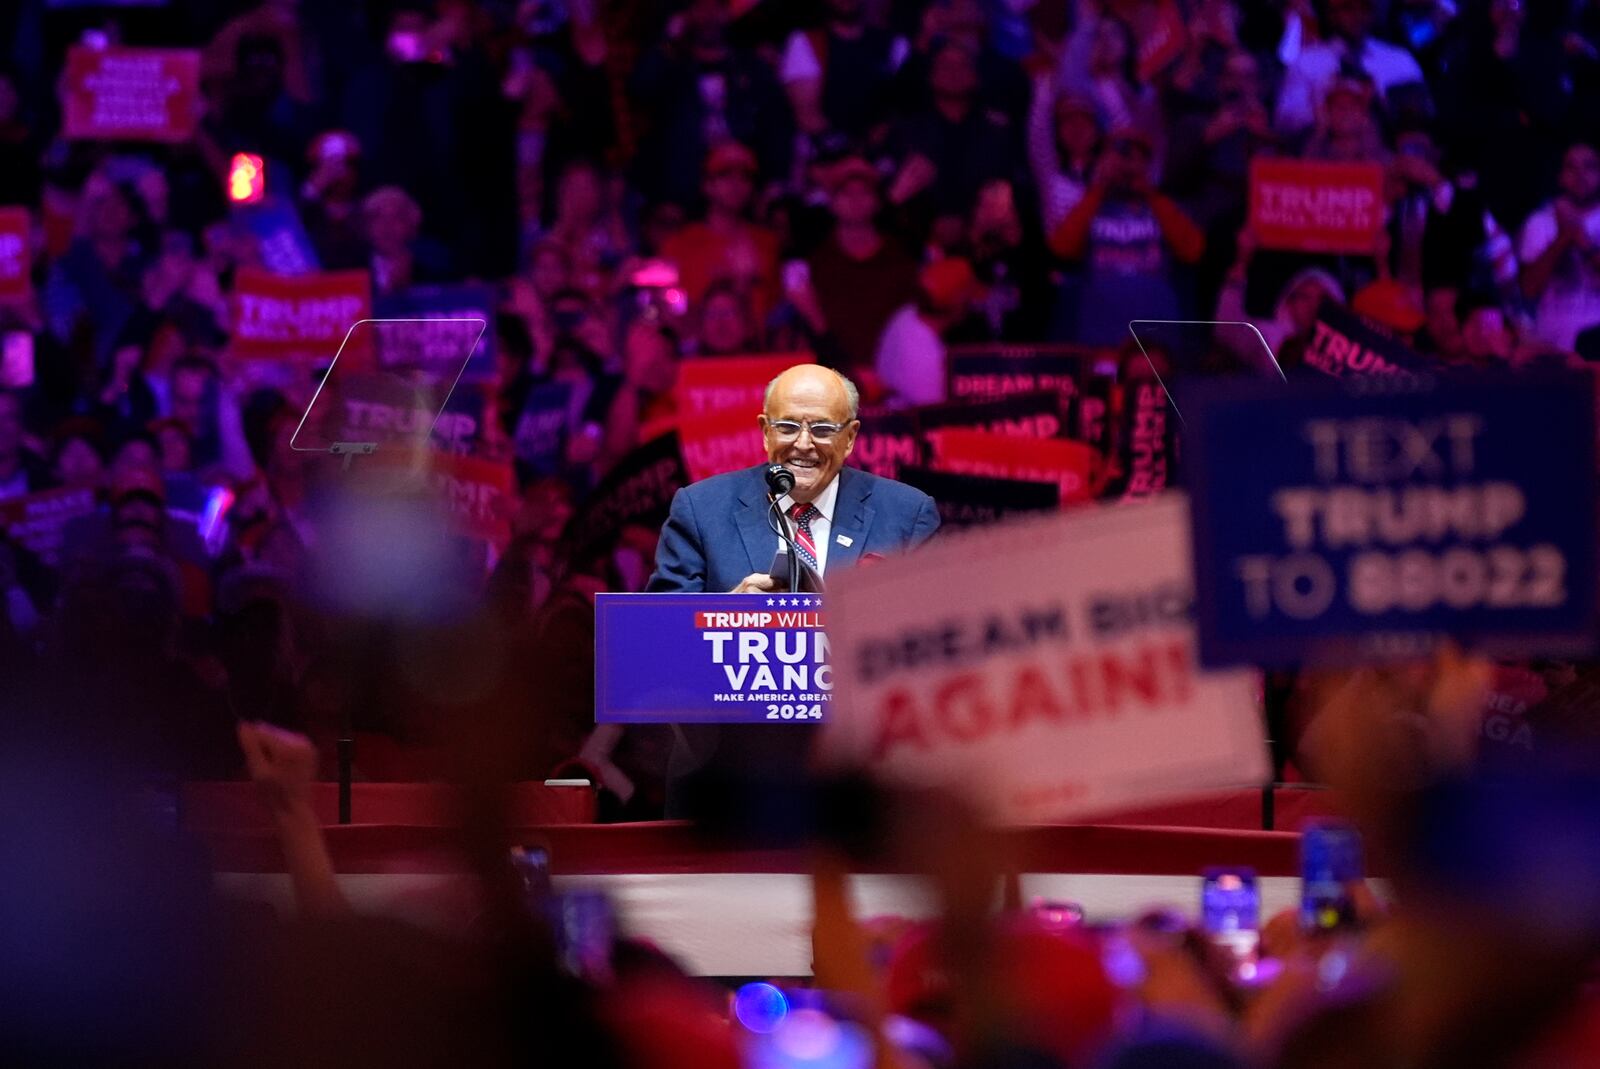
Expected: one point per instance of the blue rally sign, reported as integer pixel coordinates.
(710, 659)
(1372, 518)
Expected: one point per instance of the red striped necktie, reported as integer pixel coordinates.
(802, 514)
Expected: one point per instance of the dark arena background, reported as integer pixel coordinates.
(799, 534)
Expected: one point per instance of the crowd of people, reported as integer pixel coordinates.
(640, 185)
(643, 185)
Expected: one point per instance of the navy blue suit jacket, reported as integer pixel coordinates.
(717, 532)
(715, 536)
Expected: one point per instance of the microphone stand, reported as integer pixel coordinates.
(776, 521)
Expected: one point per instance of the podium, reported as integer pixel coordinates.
(711, 659)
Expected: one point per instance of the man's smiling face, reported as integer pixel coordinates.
(809, 395)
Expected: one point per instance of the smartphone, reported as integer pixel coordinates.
(1330, 860)
(585, 929)
(16, 360)
(532, 866)
(1230, 913)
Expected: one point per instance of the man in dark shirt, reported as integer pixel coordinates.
(859, 274)
(840, 76)
(948, 152)
(696, 92)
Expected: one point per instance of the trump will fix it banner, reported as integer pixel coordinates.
(299, 317)
(1316, 206)
(131, 94)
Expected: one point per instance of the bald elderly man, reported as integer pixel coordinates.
(717, 537)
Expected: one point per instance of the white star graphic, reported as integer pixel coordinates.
(806, 602)
(769, 601)
(783, 601)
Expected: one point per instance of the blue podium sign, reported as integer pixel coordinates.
(1371, 518)
(710, 659)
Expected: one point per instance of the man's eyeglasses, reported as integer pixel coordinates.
(788, 430)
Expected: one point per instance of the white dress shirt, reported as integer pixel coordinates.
(821, 524)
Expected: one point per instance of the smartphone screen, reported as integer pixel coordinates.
(1330, 860)
(585, 929)
(532, 865)
(1230, 911)
(16, 360)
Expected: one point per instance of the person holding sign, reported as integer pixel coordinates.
(717, 537)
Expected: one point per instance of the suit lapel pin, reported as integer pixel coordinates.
(845, 540)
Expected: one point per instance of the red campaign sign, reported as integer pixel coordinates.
(16, 265)
(716, 442)
(1162, 42)
(299, 317)
(37, 521)
(1049, 460)
(715, 383)
(477, 494)
(1314, 206)
(131, 94)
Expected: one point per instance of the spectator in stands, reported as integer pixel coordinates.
(949, 150)
(330, 200)
(199, 400)
(840, 76)
(96, 286)
(429, 116)
(727, 327)
(258, 115)
(643, 404)
(1130, 241)
(1347, 129)
(177, 446)
(1063, 140)
(860, 275)
(181, 295)
(727, 245)
(910, 368)
(1010, 260)
(21, 470)
(549, 271)
(1440, 230)
(1442, 335)
(1294, 312)
(125, 400)
(1488, 336)
(587, 223)
(1505, 96)
(1350, 44)
(78, 457)
(1560, 252)
(1002, 85)
(1099, 60)
(696, 91)
(1207, 168)
(400, 256)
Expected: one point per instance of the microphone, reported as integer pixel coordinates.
(780, 480)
